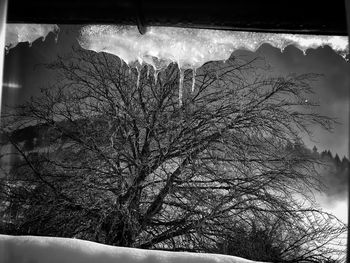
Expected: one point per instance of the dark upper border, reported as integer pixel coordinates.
(298, 16)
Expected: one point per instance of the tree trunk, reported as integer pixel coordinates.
(122, 225)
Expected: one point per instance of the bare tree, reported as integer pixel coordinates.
(128, 165)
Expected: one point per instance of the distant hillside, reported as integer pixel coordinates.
(334, 170)
(42, 135)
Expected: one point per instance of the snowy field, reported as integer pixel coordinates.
(32, 249)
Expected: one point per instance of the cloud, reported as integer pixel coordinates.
(337, 207)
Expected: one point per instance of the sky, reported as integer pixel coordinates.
(331, 90)
(24, 76)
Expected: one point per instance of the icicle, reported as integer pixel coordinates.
(56, 32)
(138, 69)
(138, 78)
(193, 79)
(181, 82)
(147, 71)
(155, 76)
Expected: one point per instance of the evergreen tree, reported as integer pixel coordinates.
(329, 154)
(337, 162)
(345, 164)
(323, 154)
(315, 151)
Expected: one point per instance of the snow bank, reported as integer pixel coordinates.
(190, 48)
(32, 249)
(16, 33)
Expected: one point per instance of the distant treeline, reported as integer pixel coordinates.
(334, 171)
(335, 174)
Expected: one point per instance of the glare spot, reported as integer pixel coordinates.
(11, 85)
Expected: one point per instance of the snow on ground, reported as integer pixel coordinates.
(33, 249)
